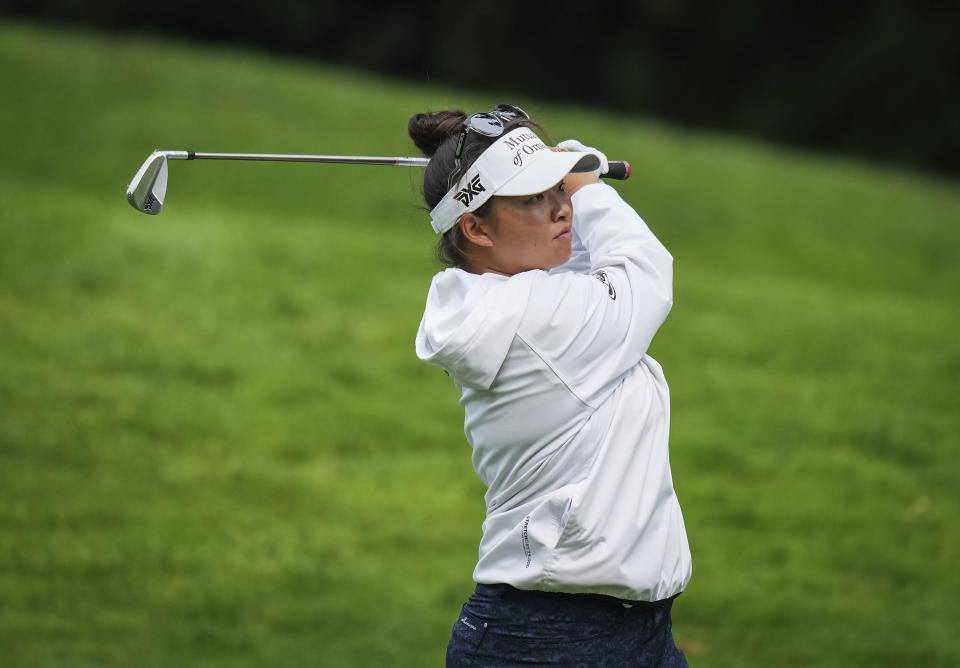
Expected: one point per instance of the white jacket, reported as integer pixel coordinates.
(567, 415)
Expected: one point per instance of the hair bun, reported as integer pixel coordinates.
(428, 131)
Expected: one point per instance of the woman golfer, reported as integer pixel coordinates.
(554, 290)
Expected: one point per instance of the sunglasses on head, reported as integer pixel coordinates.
(488, 124)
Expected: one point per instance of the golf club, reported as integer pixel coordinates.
(148, 187)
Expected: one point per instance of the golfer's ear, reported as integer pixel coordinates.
(474, 230)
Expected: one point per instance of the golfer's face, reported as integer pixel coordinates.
(532, 231)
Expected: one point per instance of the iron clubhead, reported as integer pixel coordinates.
(149, 185)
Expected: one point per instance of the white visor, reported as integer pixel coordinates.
(518, 163)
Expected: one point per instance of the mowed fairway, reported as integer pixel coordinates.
(217, 447)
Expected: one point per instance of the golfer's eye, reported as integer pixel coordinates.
(560, 187)
(535, 198)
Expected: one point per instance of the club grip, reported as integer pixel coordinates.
(618, 169)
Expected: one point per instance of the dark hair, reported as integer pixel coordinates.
(436, 133)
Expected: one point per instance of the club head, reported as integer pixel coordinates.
(149, 185)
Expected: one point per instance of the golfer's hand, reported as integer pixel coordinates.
(574, 145)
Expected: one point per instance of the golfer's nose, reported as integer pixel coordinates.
(562, 210)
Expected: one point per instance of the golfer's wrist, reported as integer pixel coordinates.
(572, 182)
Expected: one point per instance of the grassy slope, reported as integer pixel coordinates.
(217, 447)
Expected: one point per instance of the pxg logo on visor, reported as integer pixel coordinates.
(466, 194)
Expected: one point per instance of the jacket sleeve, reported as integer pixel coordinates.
(592, 328)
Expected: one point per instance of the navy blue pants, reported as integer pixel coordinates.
(503, 626)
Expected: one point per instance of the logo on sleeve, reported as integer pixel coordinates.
(602, 277)
(466, 194)
(525, 538)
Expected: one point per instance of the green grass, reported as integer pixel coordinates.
(217, 447)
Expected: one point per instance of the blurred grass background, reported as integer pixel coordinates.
(218, 448)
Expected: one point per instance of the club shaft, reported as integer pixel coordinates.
(618, 169)
(288, 157)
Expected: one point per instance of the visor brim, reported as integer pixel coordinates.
(546, 170)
